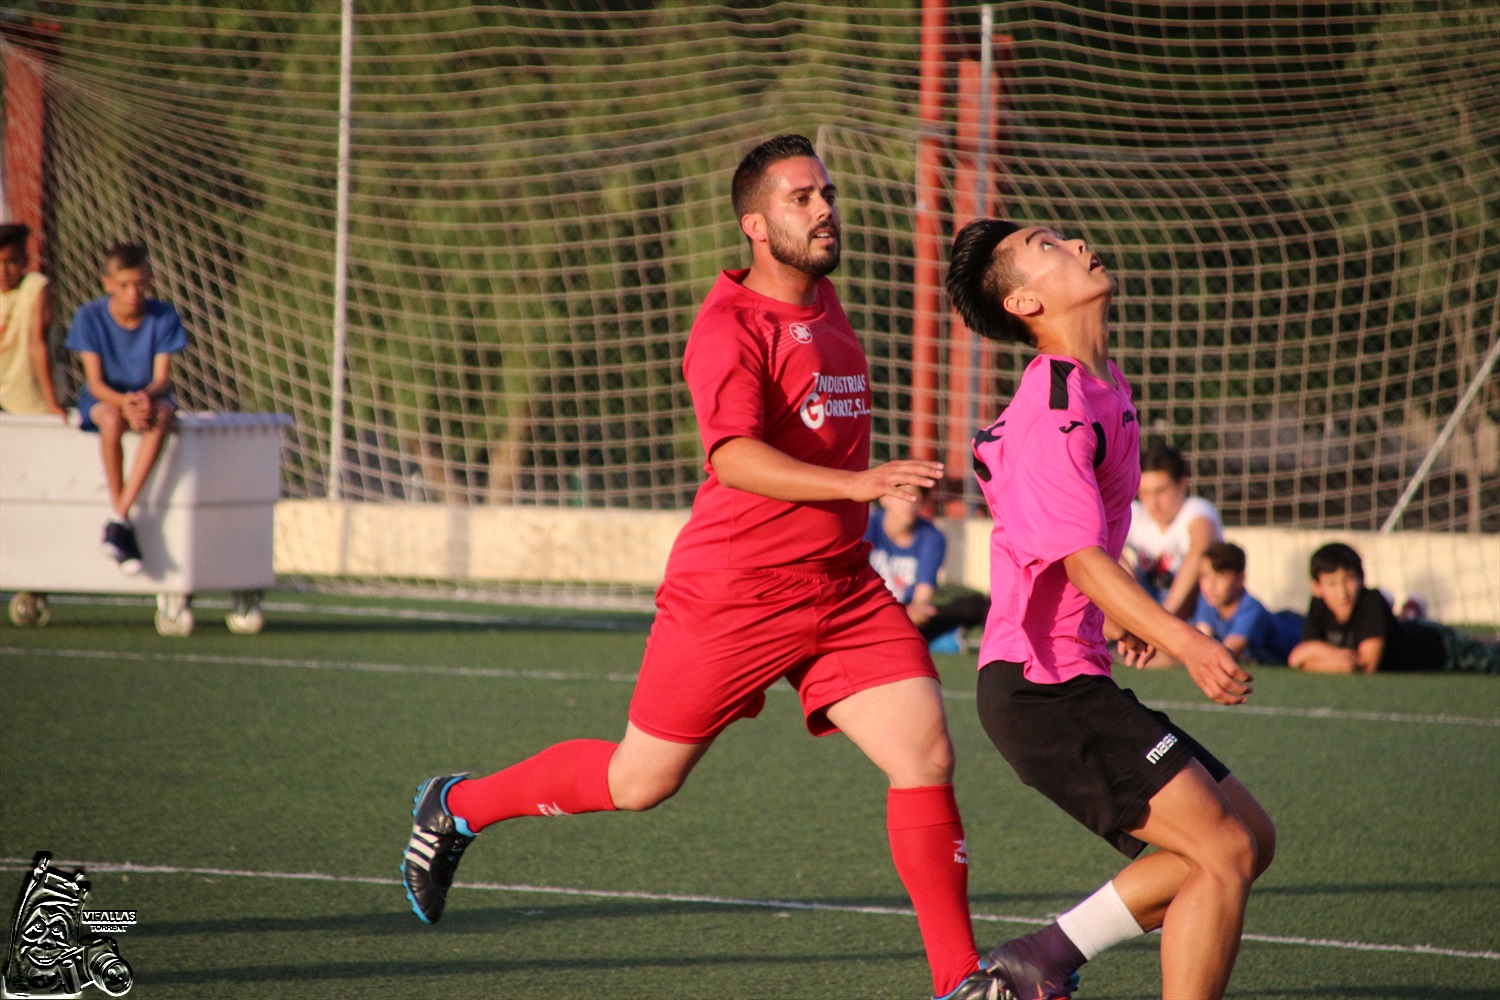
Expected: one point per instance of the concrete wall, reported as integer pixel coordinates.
(1457, 575)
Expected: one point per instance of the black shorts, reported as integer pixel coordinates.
(1088, 745)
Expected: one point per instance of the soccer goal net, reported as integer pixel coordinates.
(462, 246)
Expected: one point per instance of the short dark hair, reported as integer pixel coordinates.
(1336, 556)
(1225, 557)
(14, 234)
(750, 175)
(124, 255)
(1162, 457)
(980, 276)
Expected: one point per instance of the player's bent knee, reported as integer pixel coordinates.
(930, 764)
(108, 419)
(640, 798)
(1237, 852)
(1265, 847)
(639, 792)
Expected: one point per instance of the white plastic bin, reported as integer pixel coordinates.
(204, 521)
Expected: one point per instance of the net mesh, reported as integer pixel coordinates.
(1302, 201)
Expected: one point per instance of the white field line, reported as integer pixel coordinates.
(130, 868)
(620, 624)
(501, 673)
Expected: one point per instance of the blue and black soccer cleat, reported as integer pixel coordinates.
(977, 985)
(438, 839)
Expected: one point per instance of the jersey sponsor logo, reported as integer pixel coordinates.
(1156, 753)
(812, 410)
(835, 397)
(801, 333)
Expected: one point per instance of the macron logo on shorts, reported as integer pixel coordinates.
(1160, 750)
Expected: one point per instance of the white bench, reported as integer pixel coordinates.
(205, 520)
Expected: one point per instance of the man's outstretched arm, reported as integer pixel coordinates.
(751, 465)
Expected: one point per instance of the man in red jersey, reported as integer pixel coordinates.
(768, 579)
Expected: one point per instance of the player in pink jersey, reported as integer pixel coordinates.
(769, 579)
(1058, 470)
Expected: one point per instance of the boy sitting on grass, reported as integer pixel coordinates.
(1351, 629)
(1233, 616)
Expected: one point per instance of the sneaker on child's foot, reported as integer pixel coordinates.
(1413, 609)
(1022, 980)
(977, 985)
(120, 545)
(438, 839)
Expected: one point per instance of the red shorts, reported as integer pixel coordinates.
(722, 637)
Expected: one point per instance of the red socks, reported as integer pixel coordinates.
(564, 779)
(926, 834)
(927, 844)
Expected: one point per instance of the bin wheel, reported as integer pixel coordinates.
(245, 616)
(174, 614)
(28, 609)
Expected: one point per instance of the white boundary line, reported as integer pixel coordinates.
(130, 868)
(501, 673)
(622, 623)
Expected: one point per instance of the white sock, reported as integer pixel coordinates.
(1099, 922)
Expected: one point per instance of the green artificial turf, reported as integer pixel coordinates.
(269, 777)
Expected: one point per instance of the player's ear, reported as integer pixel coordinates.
(1023, 302)
(753, 224)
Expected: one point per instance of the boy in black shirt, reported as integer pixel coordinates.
(1350, 628)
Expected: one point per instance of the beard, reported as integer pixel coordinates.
(798, 252)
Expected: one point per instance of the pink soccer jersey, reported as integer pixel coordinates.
(1058, 470)
(797, 379)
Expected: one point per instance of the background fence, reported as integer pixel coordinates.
(1302, 201)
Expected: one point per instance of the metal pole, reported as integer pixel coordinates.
(926, 298)
(1443, 436)
(982, 209)
(341, 259)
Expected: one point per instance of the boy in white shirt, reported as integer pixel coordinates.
(1170, 531)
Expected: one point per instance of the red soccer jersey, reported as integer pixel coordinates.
(796, 378)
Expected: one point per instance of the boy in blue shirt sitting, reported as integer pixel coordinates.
(907, 550)
(1233, 616)
(125, 342)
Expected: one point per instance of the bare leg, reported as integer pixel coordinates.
(1193, 820)
(111, 424)
(902, 728)
(152, 440)
(646, 771)
(1149, 884)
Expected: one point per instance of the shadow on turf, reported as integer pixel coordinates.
(462, 927)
